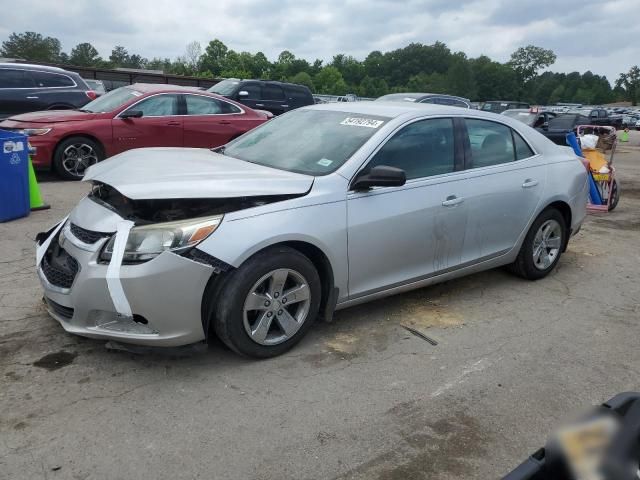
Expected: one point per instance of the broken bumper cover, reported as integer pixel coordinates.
(165, 295)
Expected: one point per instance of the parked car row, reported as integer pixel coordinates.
(140, 115)
(555, 126)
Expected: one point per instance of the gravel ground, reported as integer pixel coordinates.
(358, 398)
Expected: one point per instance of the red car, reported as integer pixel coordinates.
(139, 115)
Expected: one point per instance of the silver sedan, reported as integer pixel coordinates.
(319, 209)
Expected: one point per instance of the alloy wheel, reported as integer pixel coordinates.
(276, 307)
(547, 244)
(77, 157)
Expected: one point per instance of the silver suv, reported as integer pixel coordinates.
(322, 208)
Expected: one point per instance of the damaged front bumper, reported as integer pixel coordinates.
(165, 294)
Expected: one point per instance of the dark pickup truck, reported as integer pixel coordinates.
(600, 117)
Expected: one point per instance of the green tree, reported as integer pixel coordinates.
(630, 83)
(214, 57)
(460, 79)
(261, 66)
(84, 54)
(528, 61)
(427, 83)
(329, 81)
(557, 95)
(351, 69)
(119, 56)
(31, 46)
(303, 78)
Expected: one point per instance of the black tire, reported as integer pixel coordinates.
(615, 196)
(524, 265)
(228, 320)
(59, 155)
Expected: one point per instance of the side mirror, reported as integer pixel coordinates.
(243, 93)
(380, 176)
(131, 114)
(545, 126)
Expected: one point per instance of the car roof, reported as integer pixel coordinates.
(421, 95)
(163, 87)
(30, 66)
(397, 109)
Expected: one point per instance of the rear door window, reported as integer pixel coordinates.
(300, 97)
(51, 80)
(10, 78)
(491, 143)
(523, 150)
(199, 105)
(273, 93)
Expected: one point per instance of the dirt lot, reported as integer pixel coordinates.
(358, 399)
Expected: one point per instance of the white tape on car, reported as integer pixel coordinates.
(114, 284)
(42, 248)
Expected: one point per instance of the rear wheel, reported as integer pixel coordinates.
(74, 155)
(268, 304)
(614, 197)
(542, 247)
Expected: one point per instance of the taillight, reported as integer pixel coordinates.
(91, 94)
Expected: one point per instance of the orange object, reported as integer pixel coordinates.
(596, 159)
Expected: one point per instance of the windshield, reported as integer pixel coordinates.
(525, 117)
(225, 87)
(313, 142)
(112, 100)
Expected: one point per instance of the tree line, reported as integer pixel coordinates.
(416, 68)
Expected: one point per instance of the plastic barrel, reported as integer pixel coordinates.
(14, 176)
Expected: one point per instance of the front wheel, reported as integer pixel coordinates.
(74, 155)
(542, 247)
(268, 304)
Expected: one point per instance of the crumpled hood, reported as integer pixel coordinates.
(157, 173)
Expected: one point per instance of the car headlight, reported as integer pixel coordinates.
(149, 241)
(34, 132)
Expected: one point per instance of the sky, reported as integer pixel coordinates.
(598, 35)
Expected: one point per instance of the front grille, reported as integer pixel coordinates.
(61, 310)
(59, 268)
(87, 236)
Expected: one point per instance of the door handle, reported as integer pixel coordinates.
(33, 98)
(174, 124)
(528, 183)
(285, 106)
(224, 122)
(452, 201)
(259, 104)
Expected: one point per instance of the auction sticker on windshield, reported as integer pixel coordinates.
(362, 122)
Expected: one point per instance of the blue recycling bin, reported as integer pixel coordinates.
(14, 176)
